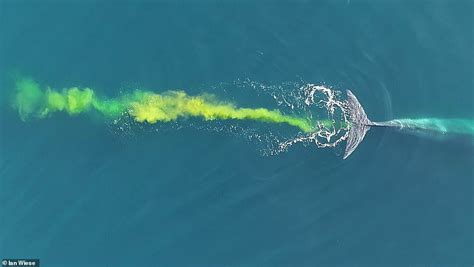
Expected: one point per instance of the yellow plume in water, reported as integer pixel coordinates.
(143, 106)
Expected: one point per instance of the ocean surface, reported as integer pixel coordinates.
(74, 191)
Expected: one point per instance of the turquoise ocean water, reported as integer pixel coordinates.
(74, 191)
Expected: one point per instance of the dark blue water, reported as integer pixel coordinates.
(74, 193)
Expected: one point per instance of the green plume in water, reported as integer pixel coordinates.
(144, 106)
(32, 101)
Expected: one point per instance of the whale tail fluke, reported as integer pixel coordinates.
(360, 124)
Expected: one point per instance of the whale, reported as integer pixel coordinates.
(436, 128)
